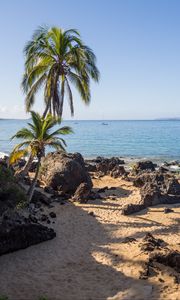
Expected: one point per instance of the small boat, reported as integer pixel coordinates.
(104, 124)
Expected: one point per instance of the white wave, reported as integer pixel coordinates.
(176, 168)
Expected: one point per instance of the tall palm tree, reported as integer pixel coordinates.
(54, 59)
(36, 137)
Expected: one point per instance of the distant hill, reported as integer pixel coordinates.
(168, 119)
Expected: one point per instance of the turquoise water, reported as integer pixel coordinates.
(145, 139)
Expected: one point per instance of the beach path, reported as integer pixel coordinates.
(88, 259)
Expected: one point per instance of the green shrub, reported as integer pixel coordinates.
(6, 175)
(3, 298)
(11, 194)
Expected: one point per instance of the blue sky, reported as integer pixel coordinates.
(137, 44)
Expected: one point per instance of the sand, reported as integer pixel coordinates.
(87, 259)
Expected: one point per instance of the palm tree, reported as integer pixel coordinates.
(36, 137)
(54, 59)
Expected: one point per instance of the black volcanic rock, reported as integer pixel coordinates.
(142, 166)
(82, 193)
(64, 172)
(155, 188)
(17, 232)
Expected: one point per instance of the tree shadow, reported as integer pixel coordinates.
(104, 202)
(119, 192)
(69, 266)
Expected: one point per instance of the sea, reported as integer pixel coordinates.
(158, 140)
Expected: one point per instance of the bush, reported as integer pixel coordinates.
(6, 175)
(3, 298)
(11, 194)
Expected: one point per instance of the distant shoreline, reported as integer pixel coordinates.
(128, 159)
(100, 120)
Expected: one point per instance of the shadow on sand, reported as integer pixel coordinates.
(67, 267)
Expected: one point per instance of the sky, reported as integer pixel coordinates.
(137, 44)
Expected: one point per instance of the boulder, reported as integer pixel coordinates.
(52, 214)
(114, 160)
(156, 188)
(90, 167)
(142, 166)
(82, 193)
(150, 195)
(168, 210)
(150, 243)
(106, 165)
(163, 169)
(40, 197)
(94, 196)
(168, 258)
(18, 232)
(159, 254)
(157, 178)
(129, 209)
(64, 172)
(117, 171)
(44, 218)
(138, 181)
(49, 190)
(172, 186)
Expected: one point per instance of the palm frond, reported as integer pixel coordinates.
(23, 133)
(29, 101)
(70, 97)
(37, 123)
(53, 56)
(61, 131)
(56, 145)
(16, 155)
(81, 85)
(37, 136)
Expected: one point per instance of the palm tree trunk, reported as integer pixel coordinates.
(33, 185)
(45, 112)
(25, 169)
(46, 109)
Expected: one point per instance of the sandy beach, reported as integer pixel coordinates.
(89, 259)
(90, 150)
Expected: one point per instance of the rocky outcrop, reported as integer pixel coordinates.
(158, 256)
(165, 182)
(17, 232)
(168, 258)
(150, 243)
(107, 165)
(156, 188)
(90, 166)
(129, 209)
(158, 178)
(40, 198)
(142, 166)
(172, 186)
(64, 172)
(82, 193)
(118, 171)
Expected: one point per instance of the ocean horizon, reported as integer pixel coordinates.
(139, 139)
